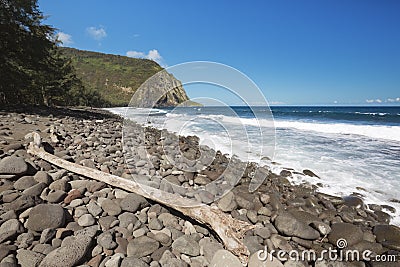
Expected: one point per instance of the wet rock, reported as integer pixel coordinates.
(310, 173)
(353, 201)
(388, 236)
(351, 233)
(46, 216)
(288, 225)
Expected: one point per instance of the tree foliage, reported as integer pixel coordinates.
(32, 68)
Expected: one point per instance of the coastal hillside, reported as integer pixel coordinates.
(116, 78)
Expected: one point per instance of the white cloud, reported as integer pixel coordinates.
(135, 54)
(97, 33)
(276, 103)
(392, 100)
(65, 38)
(374, 100)
(152, 55)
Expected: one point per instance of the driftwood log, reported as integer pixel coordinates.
(229, 230)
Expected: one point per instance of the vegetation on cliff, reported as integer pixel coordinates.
(116, 78)
(35, 70)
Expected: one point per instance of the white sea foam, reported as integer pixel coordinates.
(348, 158)
(372, 131)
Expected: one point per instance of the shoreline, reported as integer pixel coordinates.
(288, 216)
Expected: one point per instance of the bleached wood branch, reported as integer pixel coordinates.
(230, 230)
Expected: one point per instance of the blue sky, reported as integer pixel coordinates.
(305, 52)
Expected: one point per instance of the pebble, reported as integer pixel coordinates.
(86, 220)
(225, 258)
(186, 244)
(46, 216)
(13, 165)
(141, 246)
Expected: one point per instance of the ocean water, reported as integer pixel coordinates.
(351, 149)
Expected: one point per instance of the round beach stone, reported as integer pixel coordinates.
(86, 220)
(388, 236)
(350, 232)
(155, 224)
(24, 182)
(35, 190)
(187, 245)
(225, 258)
(111, 207)
(46, 216)
(127, 218)
(131, 261)
(56, 196)
(208, 246)
(69, 254)
(288, 225)
(227, 203)
(13, 165)
(142, 246)
(29, 258)
(106, 241)
(94, 209)
(270, 261)
(43, 177)
(132, 202)
(11, 226)
(353, 201)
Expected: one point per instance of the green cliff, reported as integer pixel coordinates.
(116, 78)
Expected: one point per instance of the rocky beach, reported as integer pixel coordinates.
(52, 217)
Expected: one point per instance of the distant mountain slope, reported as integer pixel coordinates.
(116, 78)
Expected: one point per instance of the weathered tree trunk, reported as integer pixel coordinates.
(230, 230)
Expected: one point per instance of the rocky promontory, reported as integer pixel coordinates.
(52, 217)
